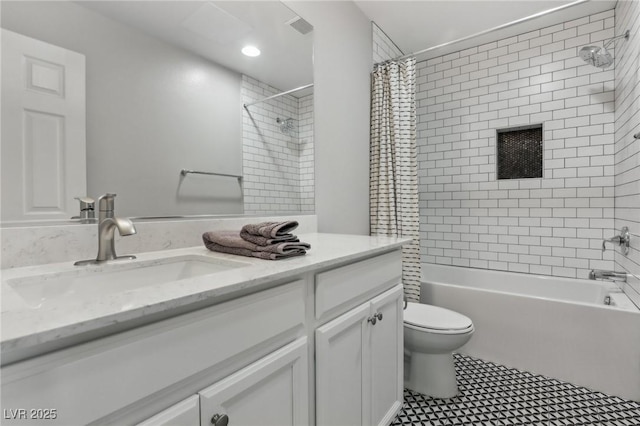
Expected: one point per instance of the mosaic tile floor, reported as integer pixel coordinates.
(493, 395)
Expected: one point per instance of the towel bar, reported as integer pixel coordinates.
(185, 172)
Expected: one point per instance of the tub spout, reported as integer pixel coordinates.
(599, 274)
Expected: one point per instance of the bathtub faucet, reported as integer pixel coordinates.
(599, 274)
(621, 240)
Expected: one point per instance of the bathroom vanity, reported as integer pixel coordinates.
(192, 337)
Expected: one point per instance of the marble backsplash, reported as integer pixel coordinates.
(36, 245)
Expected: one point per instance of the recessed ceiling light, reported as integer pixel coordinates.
(251, 51)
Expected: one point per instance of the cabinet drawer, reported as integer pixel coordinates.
(342, 288)
(90, 381)
(271, 392)
(185, 413)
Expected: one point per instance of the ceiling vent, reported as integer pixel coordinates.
(300, 25)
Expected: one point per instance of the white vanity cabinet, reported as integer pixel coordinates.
(117, 379)
(270, 392)
(359, 354)
(318, 345)
(359, 358)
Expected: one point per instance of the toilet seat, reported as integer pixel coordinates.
(436, 319)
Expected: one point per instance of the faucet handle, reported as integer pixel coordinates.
(615, 240)
(106, 206)
(86, 202)
(623, 240)
(87, 207)
(106, 202)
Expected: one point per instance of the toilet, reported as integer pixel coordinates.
(431, 334)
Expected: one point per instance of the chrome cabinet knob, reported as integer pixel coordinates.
(375, 318)
(220, 420)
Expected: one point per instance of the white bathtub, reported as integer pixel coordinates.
(557, 327)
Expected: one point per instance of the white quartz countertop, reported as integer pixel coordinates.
(25, 324)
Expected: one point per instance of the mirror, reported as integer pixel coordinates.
(166, 89)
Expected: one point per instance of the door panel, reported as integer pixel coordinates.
(342, 369)
(387, 340)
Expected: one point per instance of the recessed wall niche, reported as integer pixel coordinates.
(520, 152)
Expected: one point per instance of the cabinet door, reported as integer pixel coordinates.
(271, 392)
(342, 367)
(387, 356)
(185, 413)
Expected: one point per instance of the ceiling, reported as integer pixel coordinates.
(417, 25)
(217, 30)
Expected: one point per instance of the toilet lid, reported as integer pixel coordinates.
(435, 318)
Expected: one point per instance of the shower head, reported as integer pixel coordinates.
(596, 56)
(286, 125)
(600, 56)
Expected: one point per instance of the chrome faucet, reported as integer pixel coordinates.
(87, 207)
(622, 240)
(107, 224)
(599, 274)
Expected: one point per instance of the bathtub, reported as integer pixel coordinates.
(557, 327)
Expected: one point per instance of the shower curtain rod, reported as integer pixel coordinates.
(278, 95)
(490, 30)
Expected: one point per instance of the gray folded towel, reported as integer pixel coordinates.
(232, 243)
(270, 229)
(264, 241)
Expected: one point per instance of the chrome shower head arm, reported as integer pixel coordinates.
(625, 35)
(599, 56)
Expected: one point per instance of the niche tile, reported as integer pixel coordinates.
(520, 152)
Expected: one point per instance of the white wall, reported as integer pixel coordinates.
(152, 110)
(307, 172)
(627, 149)
(342, 64)
(554, 225)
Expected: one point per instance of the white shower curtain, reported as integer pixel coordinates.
(393, 187)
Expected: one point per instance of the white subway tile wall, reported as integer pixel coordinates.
(550, 226)
(383, 47)
(277, 165)
(627, 149)
(307, 183)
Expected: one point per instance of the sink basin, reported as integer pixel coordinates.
(96, 281)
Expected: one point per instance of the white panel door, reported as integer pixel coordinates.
(184, 413)
(387, 356)
(342, 370)
(43, 129)
(271, 392)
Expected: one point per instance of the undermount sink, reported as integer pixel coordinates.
(95, 281)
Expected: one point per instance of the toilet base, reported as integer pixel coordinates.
(432, 374)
